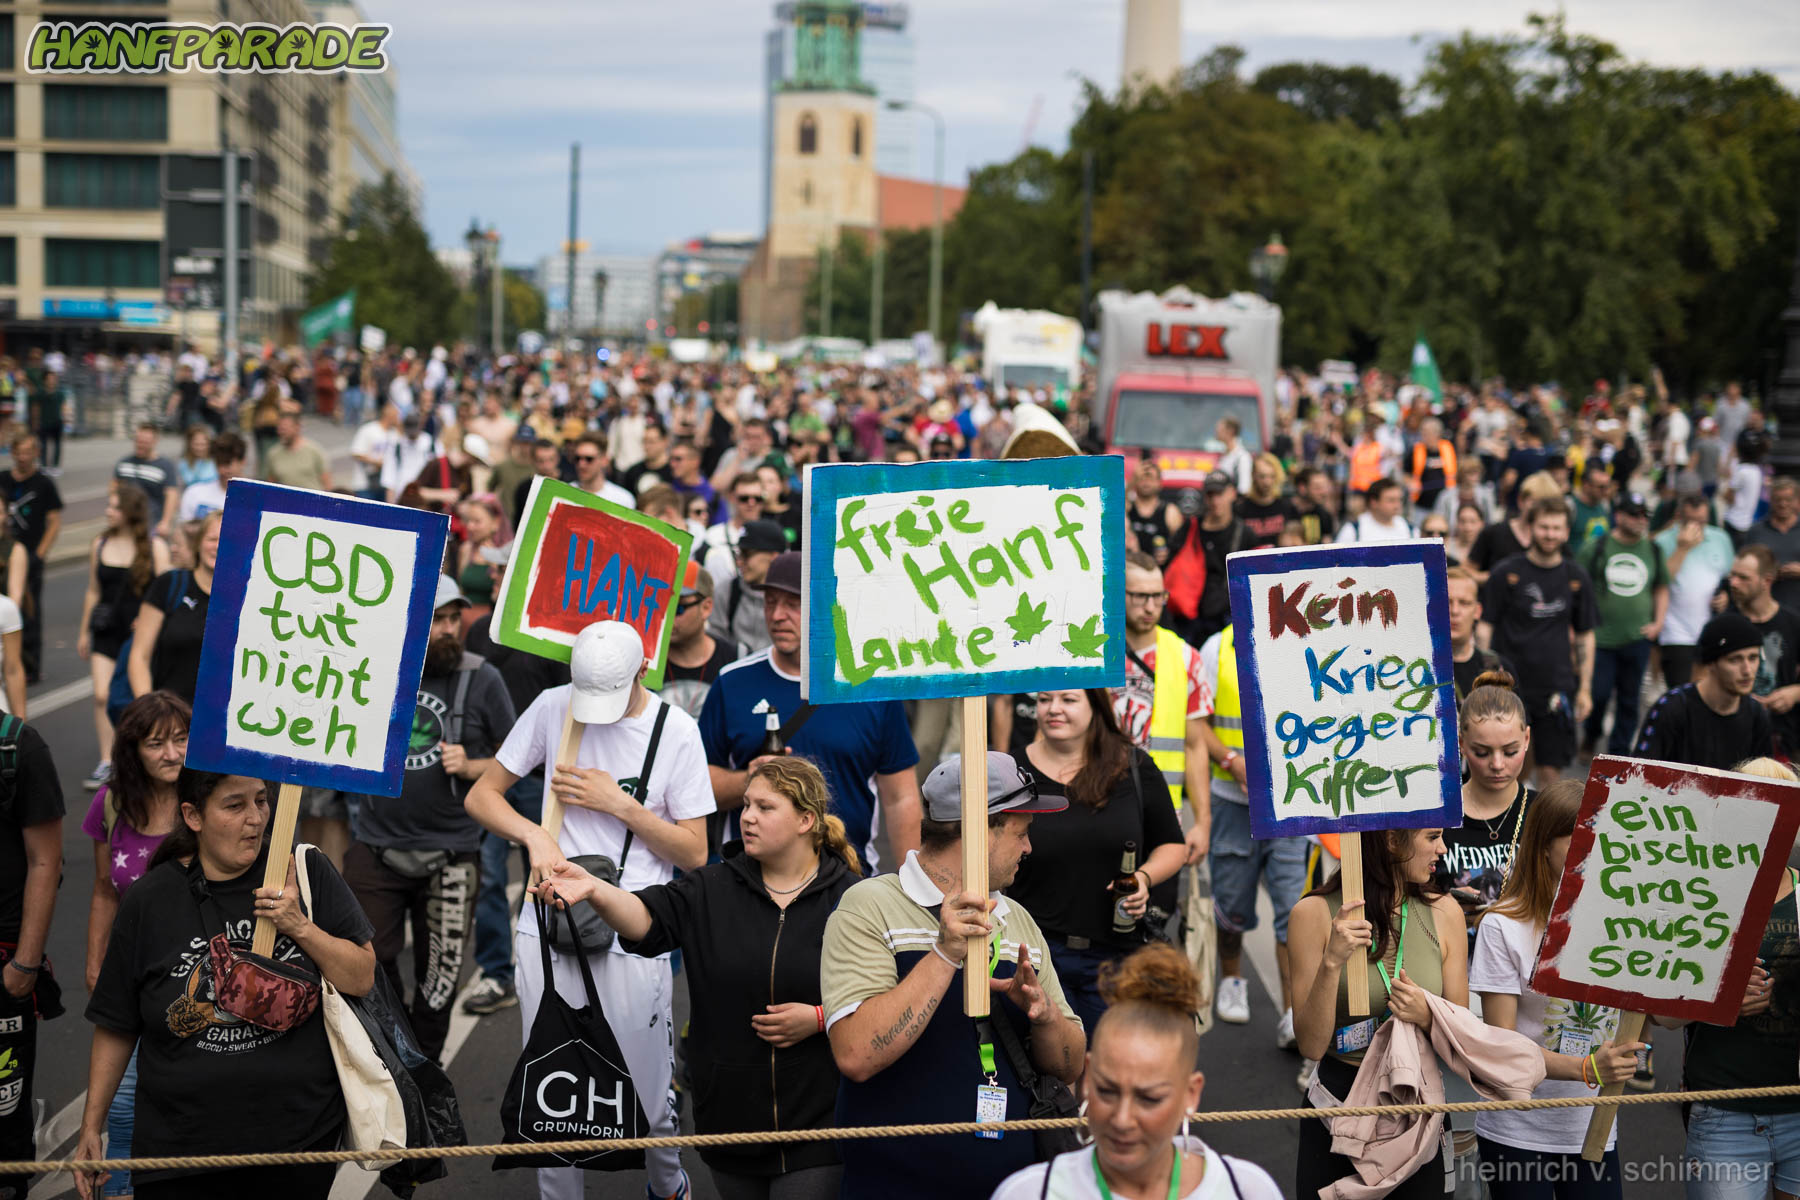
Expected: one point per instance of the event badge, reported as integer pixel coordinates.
(1354, 1038)
(990, 1105)
(1577, 1043)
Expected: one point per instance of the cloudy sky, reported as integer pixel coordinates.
(665, 96)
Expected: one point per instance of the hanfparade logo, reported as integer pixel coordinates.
(118, 47)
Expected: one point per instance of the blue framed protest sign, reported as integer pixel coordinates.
(967, 577)
(1347, 687)
(315, 638)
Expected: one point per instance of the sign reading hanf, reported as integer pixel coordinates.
(315, 637)
(1671, 875)
(580, 559)
(963, 578)
(1347, 687)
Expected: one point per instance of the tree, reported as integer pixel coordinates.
(1367, 99)
(522, 308)
(381, 250)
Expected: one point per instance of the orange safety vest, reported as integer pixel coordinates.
(1365, 465)
(1446, 457)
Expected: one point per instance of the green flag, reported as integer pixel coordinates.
(1425, 371)
(333, 317)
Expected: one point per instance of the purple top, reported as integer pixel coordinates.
(131, 850)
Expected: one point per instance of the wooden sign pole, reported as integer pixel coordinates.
(565, 757)
(1356, 968)
(975, 844)
(1600, 1122)
(281, 842)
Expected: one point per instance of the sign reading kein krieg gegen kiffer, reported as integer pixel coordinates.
(1344, 669)
(963, 578)
(315, 637)
(1669, 881)
(580, 559)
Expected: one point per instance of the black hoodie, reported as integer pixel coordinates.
(743, 953)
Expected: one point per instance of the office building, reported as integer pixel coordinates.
(615, 294)
(699, 265)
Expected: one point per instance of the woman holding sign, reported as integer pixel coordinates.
(1736, 1148)
(1524, 1153)
(1414, 937)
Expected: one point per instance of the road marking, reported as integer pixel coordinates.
(45, 703)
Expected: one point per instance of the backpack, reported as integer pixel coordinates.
(453, 722)
(10, 726)
(118, 692)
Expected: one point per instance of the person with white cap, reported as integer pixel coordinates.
(890, 969)
(637, 793)
(413, 858)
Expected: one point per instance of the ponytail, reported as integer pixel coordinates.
(829, 838)
(1492, 698)
(802, 784)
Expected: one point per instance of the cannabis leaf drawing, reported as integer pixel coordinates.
(1028, 620)
(92, 42)
(1085, 639)
(225, 40)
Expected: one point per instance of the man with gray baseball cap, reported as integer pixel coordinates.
(893, 1010)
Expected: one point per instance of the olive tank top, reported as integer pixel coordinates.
(1424, 966)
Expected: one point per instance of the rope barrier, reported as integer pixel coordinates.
(705, 1140)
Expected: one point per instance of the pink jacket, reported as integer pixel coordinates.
(1401, 1067)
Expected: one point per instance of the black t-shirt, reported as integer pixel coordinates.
(1479, 853)
(1758, 1050)
(1682, 728)
(1075, 854)
(1263, 522)
(1024, 726)
(686, 687)
(30, 502)
(36, 799)
(1152, 532)
(1533, 609)
(632, 478)
(1216, 544)
(175, 659)
(210, 1083)
(1318, 525)
(1468, 672)
(526, 675)
(152, 476)
(428, 813)
(1492, 544)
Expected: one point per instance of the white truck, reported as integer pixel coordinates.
(1032, 349)
(1171, 366)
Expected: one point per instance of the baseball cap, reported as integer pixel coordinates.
(496, 556)
(698, 581)
(448, 593)
(1725, 633)
(1218, 481)
(602, 667)
(766, 536)
(476, 447)
(784, 573)
(1633, 503)
(1009, 788)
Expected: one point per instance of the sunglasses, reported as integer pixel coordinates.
(688, 602)
(1027, 784)
(748, 499)
(587, 458)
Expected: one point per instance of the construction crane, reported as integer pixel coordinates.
(1031, 120)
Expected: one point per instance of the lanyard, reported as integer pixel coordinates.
(1399, 954)
(987, 1043)
(1174, 1177)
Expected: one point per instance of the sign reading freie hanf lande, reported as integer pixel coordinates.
(1670, 877)
(1345, 674)
(315, 637)
(963, 578)
(580, 559)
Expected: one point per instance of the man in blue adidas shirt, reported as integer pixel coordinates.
(851, 743)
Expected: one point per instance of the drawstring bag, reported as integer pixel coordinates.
(268, 993)
(571, 1083)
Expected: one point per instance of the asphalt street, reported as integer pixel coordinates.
(1244, 1068)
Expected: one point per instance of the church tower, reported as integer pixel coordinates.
(823, 174)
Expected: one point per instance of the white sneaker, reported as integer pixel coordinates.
(1284, 1032)
(1308, 1068)
(1233, 1002)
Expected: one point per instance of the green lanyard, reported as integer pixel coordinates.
(1174, 1177)
(1399, 955)
(987, 1043)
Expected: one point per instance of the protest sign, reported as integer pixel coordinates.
(1671, 874)
(315, 637)
(1343, 663)
(580, 559)
(963, 578)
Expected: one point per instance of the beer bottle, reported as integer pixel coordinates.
(771, 743)
(1123, 885)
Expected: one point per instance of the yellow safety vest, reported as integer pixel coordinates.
(1228, 712)
(1168, 713)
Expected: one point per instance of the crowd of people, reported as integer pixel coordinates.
(1622, 566)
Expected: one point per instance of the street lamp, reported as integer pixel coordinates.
(497, 288)
(1266, 265)
(476, 240)
(935, 304)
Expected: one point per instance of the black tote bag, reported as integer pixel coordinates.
(571, 1082)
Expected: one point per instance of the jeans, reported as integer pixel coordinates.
(353, 407)
(119, 1119)
(1514, 1174)
(808, 1183)
(493, 915)
(1736, 1156)
(1618, 676)
(1238, 860)
(1079, 973)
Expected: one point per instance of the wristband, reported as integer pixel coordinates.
(1595, 1059)
(1584, 1078)
(939, 951)
(819, 1011)
(1146, 875)
(20, 967)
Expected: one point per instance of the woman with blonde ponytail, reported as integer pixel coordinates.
(751, 927)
